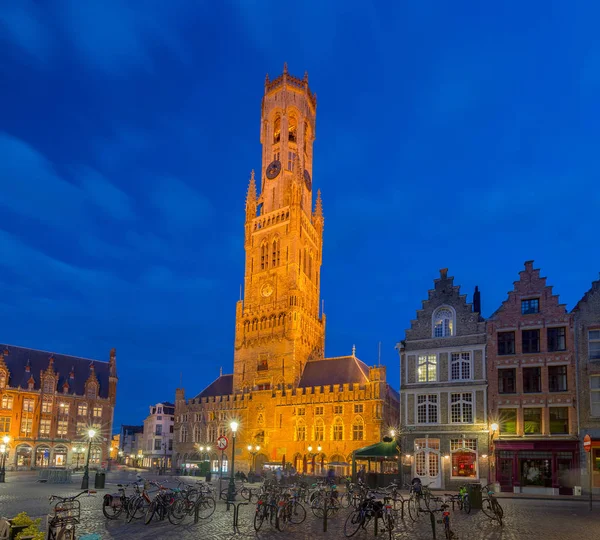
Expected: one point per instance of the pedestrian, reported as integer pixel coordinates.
(278, 475)
(361, 476)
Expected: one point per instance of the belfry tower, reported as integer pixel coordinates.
(279, 326)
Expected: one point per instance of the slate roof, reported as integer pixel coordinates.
(222, 386)
(339, 370)
(18, 358)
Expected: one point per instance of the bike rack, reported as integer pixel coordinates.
(236, 513)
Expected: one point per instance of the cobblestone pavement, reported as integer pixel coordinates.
(523, 519)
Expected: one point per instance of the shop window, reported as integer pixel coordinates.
(595, 394)
(507, 381)
(530, 306)
(532, 421)
(96, 455)
(557, 378)
(508, 421)
(594, 344)
(427, 368)
(506, 343)
(42, 456)
(460, 369)
(559, 420)
(557, 339)
(464, 458)
(536, 469)
(532, 380)
(530, 341)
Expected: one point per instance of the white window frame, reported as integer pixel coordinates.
(464, 448)
(461, 361)
(446, 332)
(461, 403)
(429, 360)
(593, 393)
(593, 341)
(427, 403)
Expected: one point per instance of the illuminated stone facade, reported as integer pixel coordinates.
(286, 396)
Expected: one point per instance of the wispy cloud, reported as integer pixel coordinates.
(102, 193)
(22, 22)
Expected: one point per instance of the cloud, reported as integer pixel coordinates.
(180, 205)
(22, 23)
(102, 193)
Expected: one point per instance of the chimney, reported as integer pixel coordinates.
(444, 273)
(477, 300)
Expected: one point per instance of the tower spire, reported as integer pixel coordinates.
(318, 218)
(251, 198)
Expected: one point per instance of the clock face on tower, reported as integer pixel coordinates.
(307, 180)
(267, 290)
(273, 169)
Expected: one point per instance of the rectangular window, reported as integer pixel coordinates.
(170, 444)
(63, 409)
(358, 409)
(461, 408)
(530, 306)
(508, 421)
(4, 424)
(82, 409)
(319, 432)
(62, 427)
(427, 368)
(358, 431)
(7, 402)
(28, 405)
(159, 417)
(594, 344)
(506, 343)
(156, 444)
(338, 432)
(301, 433)
(427, 409)
(595, 395)
(46, 406)
(81, 428)
(319, 410)
(97, 412)
(507, 381)
(301, 411)
(45, 426)
(461, 366)
(291, 159)
(557, 339)
(26, 427)
(557, 378)
(158, 429)
(532, 379)
(559, 420)
(530, 341)
(159, 410)
(532, 421)
(338, 409)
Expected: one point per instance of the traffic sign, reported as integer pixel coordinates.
(222, 442)
(587, 443)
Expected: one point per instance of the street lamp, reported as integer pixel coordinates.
(78, 451)
(231, 492)
(86, 472)
(4, 452)
(253, 450)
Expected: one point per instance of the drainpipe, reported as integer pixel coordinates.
(575, 334)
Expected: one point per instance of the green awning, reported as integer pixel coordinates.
(379, 450)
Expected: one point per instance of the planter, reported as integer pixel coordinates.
(15, 529)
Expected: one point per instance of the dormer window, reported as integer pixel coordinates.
(443, 322)
(92, 391)
(48, 385)
(2, 378)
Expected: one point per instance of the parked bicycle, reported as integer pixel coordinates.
(490, 505)
(66, 515)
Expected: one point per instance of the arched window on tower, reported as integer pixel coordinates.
(277, 130)
(306, 135)
(276, 253)
(292, 129)
(264, 256)
(443, 322)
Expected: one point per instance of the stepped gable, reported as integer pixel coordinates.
(445, 293)
(26, 364)
(338, 370)
(530, 284)
(592, 293)
(222, 386)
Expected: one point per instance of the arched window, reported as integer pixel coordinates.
(49, 384)
(319, 430)
(292, 129)
(183, 434)
(443, 322)
(264, 256)
(277, 130)
(300, 430)
(338, 430)
(212, 433)
(197, 437)
(358, 429)
(306, 136)
(92, 391)
(275, 253)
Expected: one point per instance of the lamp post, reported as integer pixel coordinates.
(78, 451)
(311, 456)
(120, 459)
(253, 450)
(231, 491)
(86, 472)
(165, 457)
(4, 451)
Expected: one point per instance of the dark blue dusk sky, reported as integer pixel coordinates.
(459, 135)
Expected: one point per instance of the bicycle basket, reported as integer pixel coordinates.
(67, 510)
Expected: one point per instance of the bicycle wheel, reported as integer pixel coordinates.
(224, 494)
(245, 493)
(346, 500)
(67, 532)
(206, 507)
(150, 511)
(413, 509)
(259, 518)
(297, 513)
(137, 510)
(427, 498)
(497, 511)
(177, 511)
(389, 524)
(112, 512)
(466, 504)
(282, 518)
(353, 523)
(487, 508)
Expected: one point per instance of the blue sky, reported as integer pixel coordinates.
(460, 135)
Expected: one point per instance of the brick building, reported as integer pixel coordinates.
(443, 389)
(587, 349)
(298, 406)
(532, 392)
(49, 401)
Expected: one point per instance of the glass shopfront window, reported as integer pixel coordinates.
(42, 456)
(23, 454)
(536, 469)
(60, 456)
(596, 465)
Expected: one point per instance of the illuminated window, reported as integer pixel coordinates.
(319, 430)
(338, 430)
(4, 424)
(277, 130)
(7, 402)
(45, 426)
(28, 405)
(443, 323)
(358, 430)
(62, 427)
(26, 427)
(464, 458)
(47, 405)
(427, 368)
(82, 409)
(97, 412)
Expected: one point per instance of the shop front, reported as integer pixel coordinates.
(543, 466)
